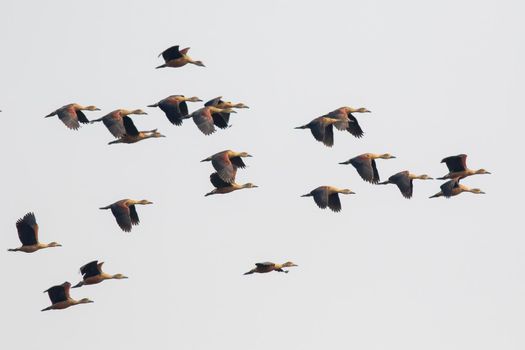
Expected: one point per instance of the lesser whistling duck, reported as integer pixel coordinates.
(71, 114)
(365, 165)
(328, 196)
(114, 120)
(453, 188)
(404, 180)
(226, 163)
(175, 58)
(125, 212)
(222, 187)
(61, 299)
(457, 167)
(132, 134)
(221, 119)
(322, 129)
(175, 107)
(267, 266)
(203, 118)
(346, 121)
(92, 274)
(28, 234)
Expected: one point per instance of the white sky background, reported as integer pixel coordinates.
(385, 273)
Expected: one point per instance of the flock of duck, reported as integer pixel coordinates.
(216, 113)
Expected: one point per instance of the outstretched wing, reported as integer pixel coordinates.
(225, 169)
(365, 168)
(115, 125)
(213, 102)
(318, 130)
(90, 269)
(320, 197)
(403, 182)
(59, 293)
(133, 215)
(217, 182)
(456, 163)
(334, 203)
(353, 127)
(82, 117)
(174, 111)
(121, 213)
(130, 127)
(221, 119)
(448, 187)
(204, 121)
(68, 117)
(27, 229)
(171, 54)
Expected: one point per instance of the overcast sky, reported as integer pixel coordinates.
(440, 79)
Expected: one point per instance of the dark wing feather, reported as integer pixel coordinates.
(173, 111)
(364, 168)
(121, 213)
(217, 181)
(343, 122)
(353, 127)
(238, 162)
(320, 197)
(82, 117)
(183, 107)
(376, 173)
(403, 182)
(213, 102)
(221, 119)
(204, 121)
(448, 187)
(90, 269)
(265, 264)
(456, 163)
(69, 118)
(334, 203)
(224, 167)
(133, 215)
(329, 135)
(131, 129)
(27, 229)
(115, 125)
(57, 294)
(317, 129)
(171, 54)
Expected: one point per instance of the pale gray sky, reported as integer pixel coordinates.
(386, 273)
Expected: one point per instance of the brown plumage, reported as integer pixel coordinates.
(125, 212)
(322, 129)
(267, 266)
(114, 121)
(28, 234)
(404, 181)
(203, 118)
(221, 119)
(60, 298)
(173, 57)
(71, 115)
(222, 187)
(457, 167)
(346, 120)
(226, 164)
(328, 196)
(92, 274)
(175, 107)
(365, 165)
(453, 188)
(132, 135)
